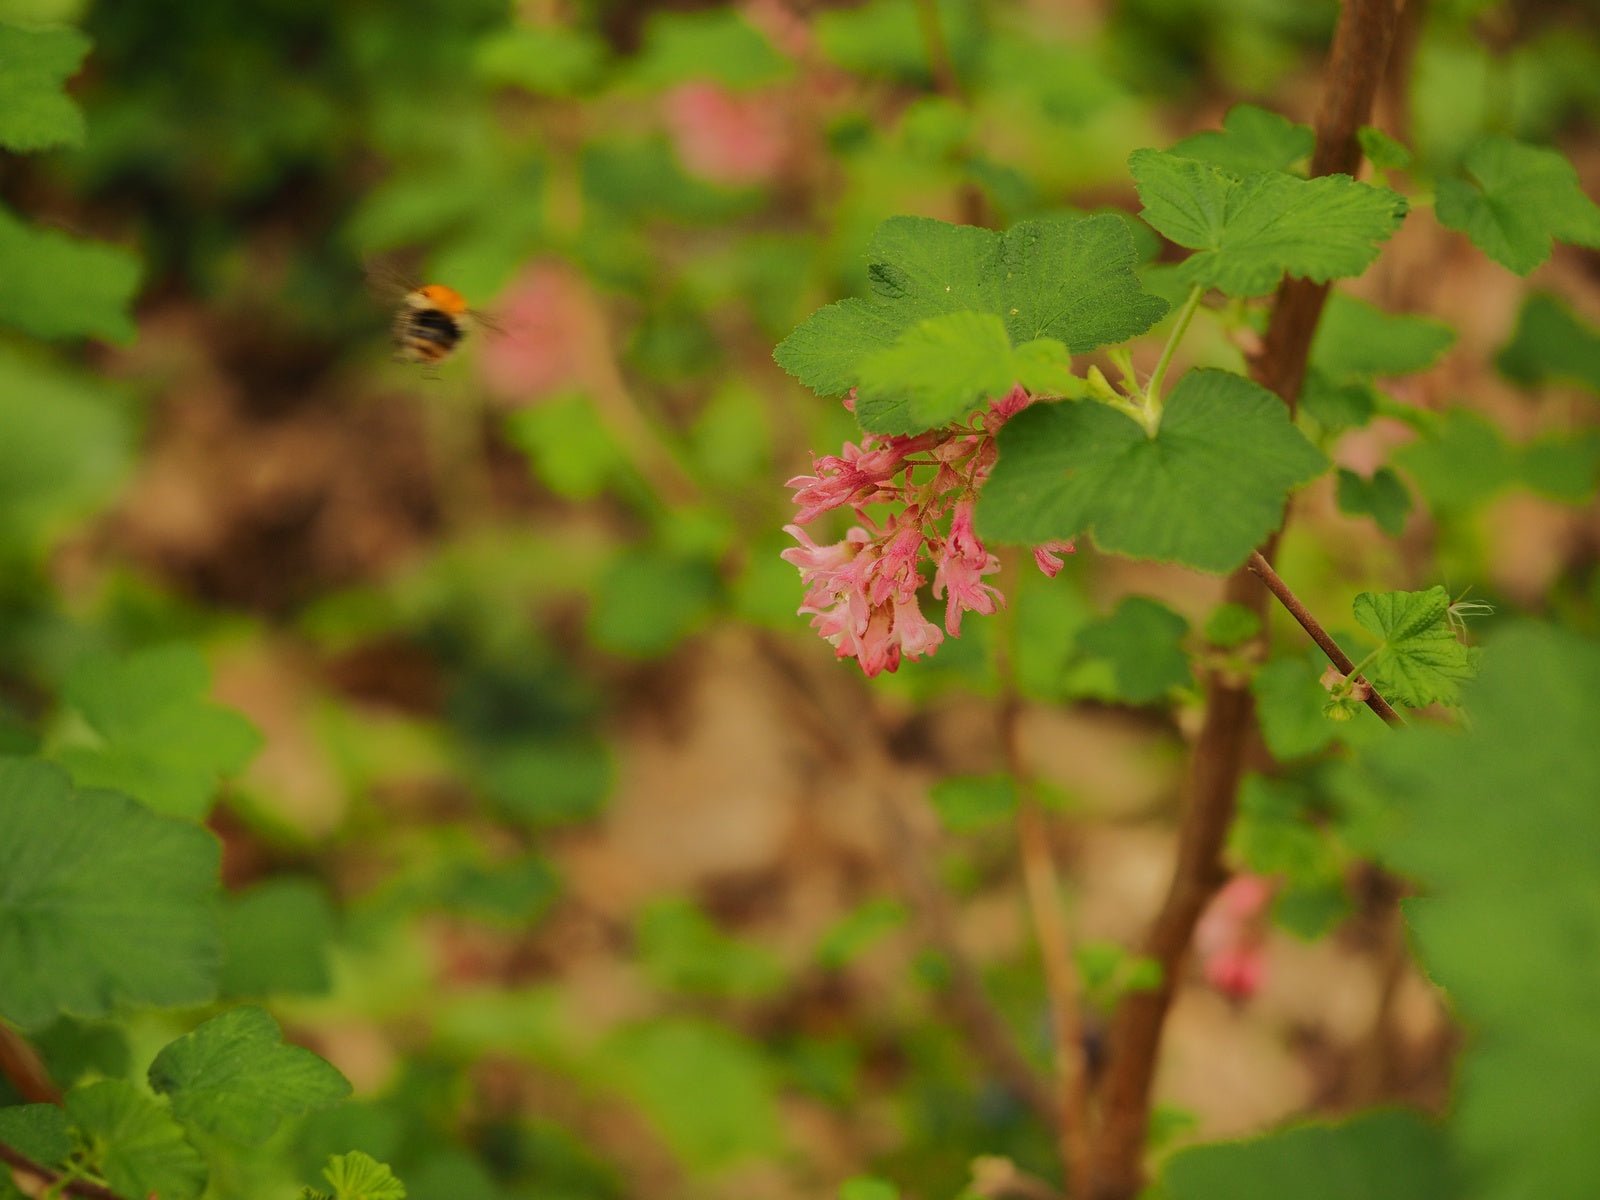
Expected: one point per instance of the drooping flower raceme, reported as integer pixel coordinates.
(861, 592)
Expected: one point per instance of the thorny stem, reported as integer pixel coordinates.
(1275, 584)
(1355, 67)
(1152, 391)
(1043, 889)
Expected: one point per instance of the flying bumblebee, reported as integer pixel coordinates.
(431, 321)
(430, 325)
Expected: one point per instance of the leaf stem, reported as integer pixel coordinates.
(1152, 391)
(1262, 569)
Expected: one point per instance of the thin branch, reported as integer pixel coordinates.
(1355, 66)
(87, 1189)
(938, 47)
(1043, 889)
(1055, 951)
(20, 1065)
(1275, 584)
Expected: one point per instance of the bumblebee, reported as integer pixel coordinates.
(430, 325)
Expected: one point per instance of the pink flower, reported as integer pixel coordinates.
(1230, 937)
(960, 572)
(542, 331)
(1048, 557)
(724, 137)
(861, 592)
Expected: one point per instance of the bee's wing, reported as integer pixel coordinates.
(484, 319)
(386, 281)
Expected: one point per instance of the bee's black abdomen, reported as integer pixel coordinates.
(440, 328)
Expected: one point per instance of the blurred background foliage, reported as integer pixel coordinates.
(545, 818)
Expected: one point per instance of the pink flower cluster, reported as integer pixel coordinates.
(1231, 936)
(861, 592)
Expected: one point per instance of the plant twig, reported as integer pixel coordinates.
(938, 47)
(21, 1067)
(1259, 566)
(1043, 889)
(85, 1188)
(1355, 66)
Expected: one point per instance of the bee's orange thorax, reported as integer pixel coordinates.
(447, 299)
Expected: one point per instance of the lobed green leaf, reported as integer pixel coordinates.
(1204, 491)
(159, 738)
(1518, 200)
(1421, 661)
(1499, 825)
(235, 1077)
(87, 875)
(1251, 139)
(1382, 1155)
(1249, 231)
(1382, 497)
(35, 113)
(1065, 281)
(62, 287)
(1143, 641)
(134, 1144)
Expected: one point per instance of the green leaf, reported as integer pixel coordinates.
(1498, 825)
(1563, 466)
(1551, 343)
(1420, 661)
(1143, 640)
(1383, 498)
(549, 781)
(709, 1091)
(275, 939)
(88, 875)
(683, 951)
(235, 1077)
(1289, 703)
(134, 1143)
(716, 44)
(937, 371)
(648, 601)
(1356, 340)
(357, 1176)
(1277, 833)
(514, 894)
(1069, 281)
(1249, 232)
(1461, 462)
(1205, 491)
(59, 286)
(1382, 1155)
(1383, 151)
(35, 113)
(160, 739)
(885, 38)
(866, 1187)
(67, 445)
(547, 60)
(858, 929)
(1519, 200)
(38, 1131)
(1231, 625)
(1251, 139)
(966, 803)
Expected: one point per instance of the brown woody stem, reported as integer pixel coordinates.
(1259, 566)
(1355, 66)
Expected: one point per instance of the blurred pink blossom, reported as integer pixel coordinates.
(1231, 937)
(726, 137)
(861, 592)
(541, 329)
